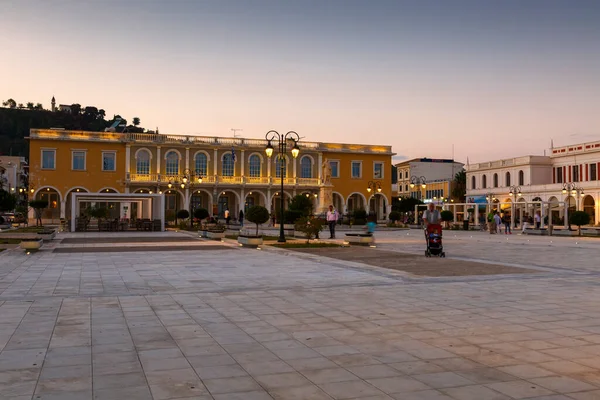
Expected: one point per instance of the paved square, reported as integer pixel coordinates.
(230, 323)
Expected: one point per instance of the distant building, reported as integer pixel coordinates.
(65, 108)
(437, 174)
(53, 103)
(13, 173)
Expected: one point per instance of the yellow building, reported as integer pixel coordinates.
(198, 171)
(427, 179)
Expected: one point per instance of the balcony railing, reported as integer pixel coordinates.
(225, 180)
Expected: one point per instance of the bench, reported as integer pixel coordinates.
(364, 239)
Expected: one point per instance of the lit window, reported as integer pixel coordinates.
(201, 164)
(279, 164)
(172, 165)
(109, 161)
(143, 163)
(78, 160)
(228, 165)
(48, 159)
(306, 167)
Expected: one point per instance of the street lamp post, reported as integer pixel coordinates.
(373, 185)
(574, 190)
(282, 140)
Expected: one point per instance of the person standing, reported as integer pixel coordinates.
(497, 222)
(241, 218)
(506, 221)
(538, 220)
(491, 222)
(332, 217)
(227, 217)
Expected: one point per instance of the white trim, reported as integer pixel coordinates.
(309, 156)
(203, 152)
(176, 151)
(351, 169)
(42, 158)
(73, 151)
(108, 187)
(143, 149)
(74, 188)
(109, 152)
(262, 160)
(51, 187)
(338, 168)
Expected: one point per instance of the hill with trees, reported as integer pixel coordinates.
(16, 120)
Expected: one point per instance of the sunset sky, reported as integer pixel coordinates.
(495, 78)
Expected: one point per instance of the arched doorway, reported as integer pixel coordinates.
(200, 199)
(68, 204)
(173, 203)
(136, 206)
(589, 206)
(228, 200)
(113, 208)
(378, 206)
(556, 211)
(276, 202)
(255, 198)
(50, 214)
(356, 201)
(338, 202)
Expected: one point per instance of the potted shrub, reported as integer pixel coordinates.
(257, 215)
(46, 234)
(447, 216)
(395, 217)
(310, 227)
(38, 206)
(183, 215)
(579, 218)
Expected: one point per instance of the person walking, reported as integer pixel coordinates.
(371, 225)
(491, 222)
(431, 216)
(332, 217)
(506, 221)
(227, 217)
(241, 218)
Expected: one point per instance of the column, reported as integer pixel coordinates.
(319, 167)
(456, 216)
(269, 162)
(521, 214)
(242, 163)
(268, 205)
(187, 158)
(294, 168)
(63, 209)
(566, 206)
(542, 215)
(186, 200)
(216, 163)
(127, 160)
(242, 206)
(158, 160)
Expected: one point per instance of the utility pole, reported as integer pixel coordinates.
(235, 131)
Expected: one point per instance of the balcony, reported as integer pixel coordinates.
(223, 180)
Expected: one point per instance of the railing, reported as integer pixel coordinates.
(253, 180)
(227, 180)
(59, 134)
(144, 177)
(308, 181)
(230, 179)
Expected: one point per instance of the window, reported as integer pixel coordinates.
(335, 169)
(593, 172)
(522, 177)
(78, 160)
(406, 188)
(201, 164)
(306, 167)
(109, 161)
(378, 170)
(507, 183)
(559, 175)
(228, 165)
(575, 173)
(495, 180)
(142, 163)
(279, 163)
(356, 169)
(405, 174)
(172, 165)
(254, 163)
(473, 183)
(48, 159)
(484, 181)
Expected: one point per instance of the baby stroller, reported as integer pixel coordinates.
(433, 238)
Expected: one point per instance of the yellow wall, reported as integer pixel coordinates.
(346, 185)
(63, 178)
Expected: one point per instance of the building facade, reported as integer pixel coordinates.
(437, 174)
(210, 172)
(13, 174)
(566, 179)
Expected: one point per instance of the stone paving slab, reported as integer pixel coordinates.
(250, 324)
(129, 249)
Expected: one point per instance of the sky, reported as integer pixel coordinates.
(480, 79)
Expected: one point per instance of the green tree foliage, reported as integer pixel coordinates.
(447, 216)
(303, 204)
(359, 216)
(309, 226)
(38, 206)
(459, 186)
(30, 105)
(183, 214)
(395, 216)
(8, 201)
(405, 204)
(201, 213)
(99, 213)
(136, 121)
(579, 218)
(10, 103)
(257, 215)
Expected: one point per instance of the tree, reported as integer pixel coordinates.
(136, 121)
(8, 201)
(201, 213)
(303, 204)
(98, 212)
(38, 206)
(257, 215)
(309, 226)
(101, 113)
(10, 103)
(30, 105)
(394, 216)
(459, 186)
(447, 216)
(39, 106)
(579, 218)
(406, 204)
(76, 109)
(20, 105)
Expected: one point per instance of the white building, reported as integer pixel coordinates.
(13, 173)
(437, 174)
(569, 176)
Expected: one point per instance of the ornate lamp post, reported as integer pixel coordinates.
(282, 140)
(515, 191)
(373, 185)
(573, 189)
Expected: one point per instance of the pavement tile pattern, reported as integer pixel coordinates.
(230, 323)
